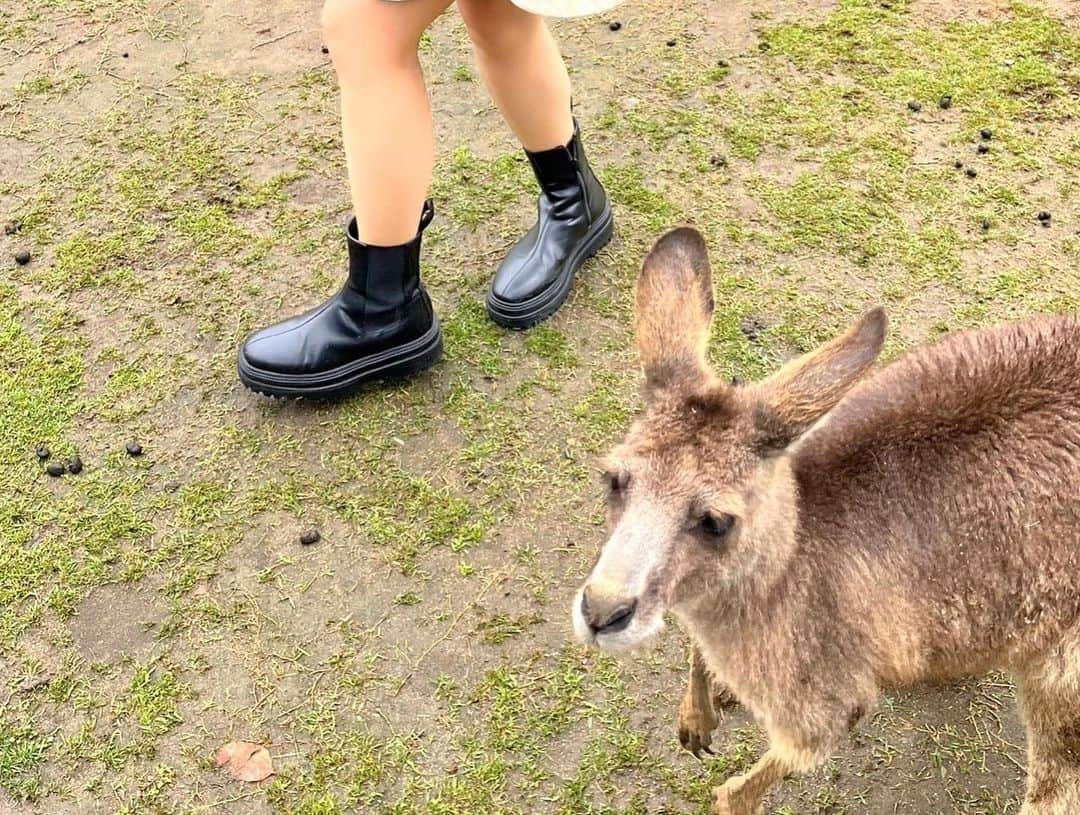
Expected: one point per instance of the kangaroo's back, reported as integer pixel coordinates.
(953, 474)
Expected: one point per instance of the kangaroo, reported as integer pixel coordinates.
(833, 530)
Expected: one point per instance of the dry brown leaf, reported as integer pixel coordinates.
(246, 760)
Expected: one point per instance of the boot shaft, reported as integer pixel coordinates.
(384, 278)
(565, 176)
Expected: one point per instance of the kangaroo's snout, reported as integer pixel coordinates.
(606, 614)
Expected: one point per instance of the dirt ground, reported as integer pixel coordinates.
(175, 170)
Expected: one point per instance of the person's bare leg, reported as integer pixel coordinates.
(520, 63)
(385, 116)
(381, 323)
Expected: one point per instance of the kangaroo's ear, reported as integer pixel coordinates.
(804, 390)
(672, 311)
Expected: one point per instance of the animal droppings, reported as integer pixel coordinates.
(970, 171)
(982, 148)
(325, 50)
(985, 224)
(22, 258)
(55, 469)
(718, 161)
(1044, 218)
(986, 134)
(42, 452)
(12, 228)
(614, 25)
(309, 537)
(672, 43)
(74, 465)
(914, 106)
(133, 448)
(945, 102)
(958, 164)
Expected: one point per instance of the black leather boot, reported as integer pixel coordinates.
(381, 324)
(574, 222)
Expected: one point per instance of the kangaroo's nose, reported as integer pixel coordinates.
(606, 615)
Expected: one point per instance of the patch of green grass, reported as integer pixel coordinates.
(552, 346)
(605, 410)
(471, 336)
(152, 699)
(499, 628)
(627, 186)
(22, 752)
(152, 794)
(1018, 64)
(475, 190)
(39, 376)
(48, 85)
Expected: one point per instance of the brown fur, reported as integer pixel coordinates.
(918, 523)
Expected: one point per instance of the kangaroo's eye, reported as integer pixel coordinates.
(717, 525)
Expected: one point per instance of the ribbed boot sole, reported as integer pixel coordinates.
(408, 360)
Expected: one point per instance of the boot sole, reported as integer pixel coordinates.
(526, 315)
(406, 360)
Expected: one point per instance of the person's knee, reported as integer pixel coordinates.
(366, 31)
(496, 26)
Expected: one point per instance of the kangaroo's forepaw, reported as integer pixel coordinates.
(729, 799)
(696, 727)
(723, 698)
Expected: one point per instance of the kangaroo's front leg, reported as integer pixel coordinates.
(743, 794)
(697, 718)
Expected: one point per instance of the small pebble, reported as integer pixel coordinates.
(55, 469)
(986, 134)
(983, 148)
(672, 43)
(133, 448)
(22, 258)
(958, 164)
(43, 452)
(945, 102)
(310, 536)
(74, 465)
(914, 106)
(970, 171)
(614, 25)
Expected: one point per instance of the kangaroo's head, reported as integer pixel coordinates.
(703, 504)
